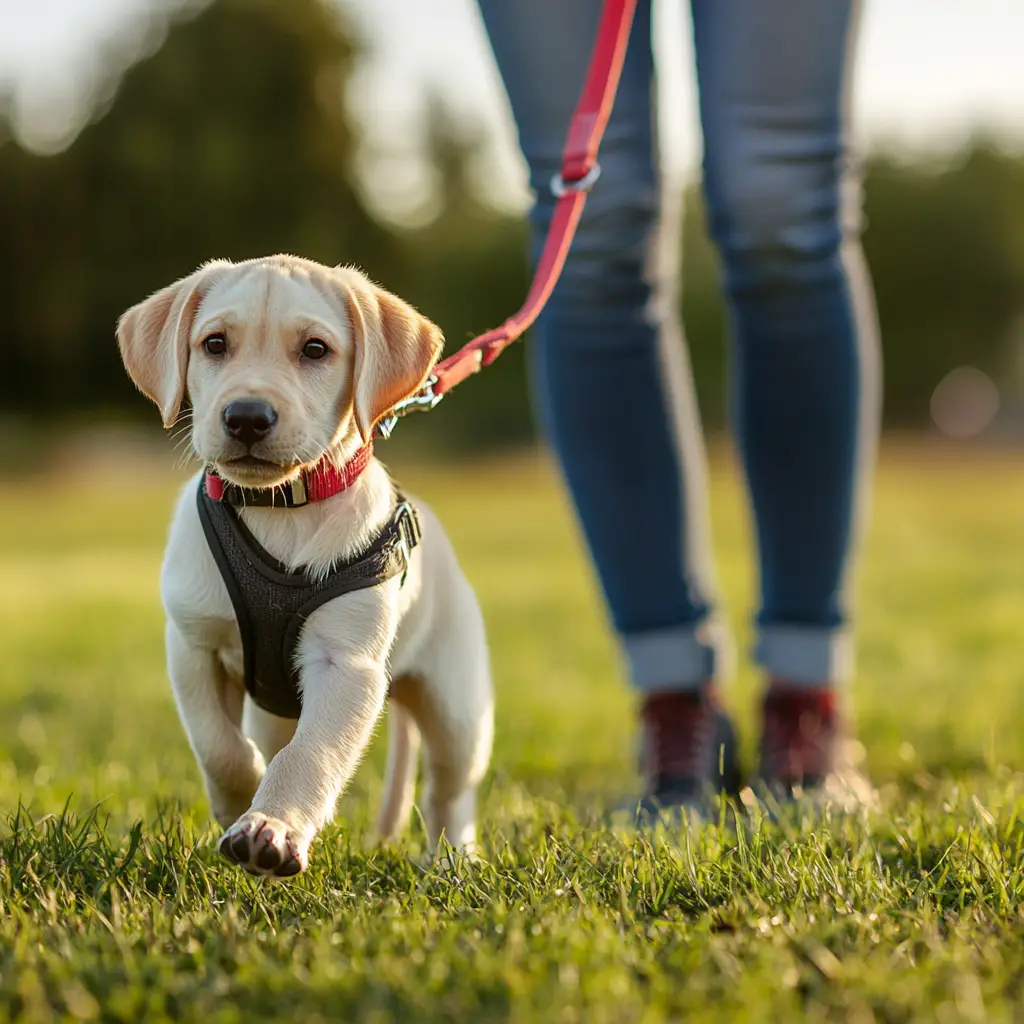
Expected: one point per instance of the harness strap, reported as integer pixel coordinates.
(272, 602)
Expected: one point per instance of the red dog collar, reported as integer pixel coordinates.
(318, 483)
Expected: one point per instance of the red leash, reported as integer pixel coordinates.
(580, 170)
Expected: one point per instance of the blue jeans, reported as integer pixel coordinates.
(610, 375)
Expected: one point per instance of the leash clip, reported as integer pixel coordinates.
(422, 401)
(559, 186)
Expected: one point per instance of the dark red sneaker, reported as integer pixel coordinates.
(689, 750)
(800, 737)
(806, 753)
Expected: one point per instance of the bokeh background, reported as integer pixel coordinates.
(141, 137)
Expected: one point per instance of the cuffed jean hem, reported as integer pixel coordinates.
(677, 659)
(805, 655)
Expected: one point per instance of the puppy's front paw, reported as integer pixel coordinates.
(264, 846)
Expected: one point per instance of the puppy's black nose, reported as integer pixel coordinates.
(249, 419)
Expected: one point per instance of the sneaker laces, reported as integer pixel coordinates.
(679, 729)
(799, 735)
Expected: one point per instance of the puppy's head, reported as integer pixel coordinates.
(281, 360)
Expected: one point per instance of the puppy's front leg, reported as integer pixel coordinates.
(211, 711)
(304, 780)
(344, 686)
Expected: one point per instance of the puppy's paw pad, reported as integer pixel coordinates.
(264, 846)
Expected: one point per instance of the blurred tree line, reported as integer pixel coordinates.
(233, 140)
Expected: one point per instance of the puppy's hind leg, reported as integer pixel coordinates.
(400, 773)
(458, 750)
(455, 712)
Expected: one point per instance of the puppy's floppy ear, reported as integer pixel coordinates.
(153, 337)
(396, 348)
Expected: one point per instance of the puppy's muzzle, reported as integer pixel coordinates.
(249, 420)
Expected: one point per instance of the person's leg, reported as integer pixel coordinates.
(609, 373)
(783, 206)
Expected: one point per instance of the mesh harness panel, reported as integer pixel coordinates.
(272, 602)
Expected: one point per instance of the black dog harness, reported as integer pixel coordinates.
(272, 602)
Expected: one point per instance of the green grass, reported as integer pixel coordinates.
(113, 905)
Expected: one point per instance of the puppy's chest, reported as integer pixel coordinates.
(272, 602)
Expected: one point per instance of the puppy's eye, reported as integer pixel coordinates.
(314, 349)
(215, 345)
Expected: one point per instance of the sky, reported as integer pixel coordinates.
(930, 72)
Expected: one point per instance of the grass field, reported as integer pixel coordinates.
(114, 906)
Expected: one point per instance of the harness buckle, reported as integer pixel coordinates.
(406, 524)
(421, 401)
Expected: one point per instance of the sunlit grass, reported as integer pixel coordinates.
(911, 913)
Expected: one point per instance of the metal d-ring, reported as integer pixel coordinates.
(559, 186)
(424, 400)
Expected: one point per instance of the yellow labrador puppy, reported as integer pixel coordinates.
(299, 585)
